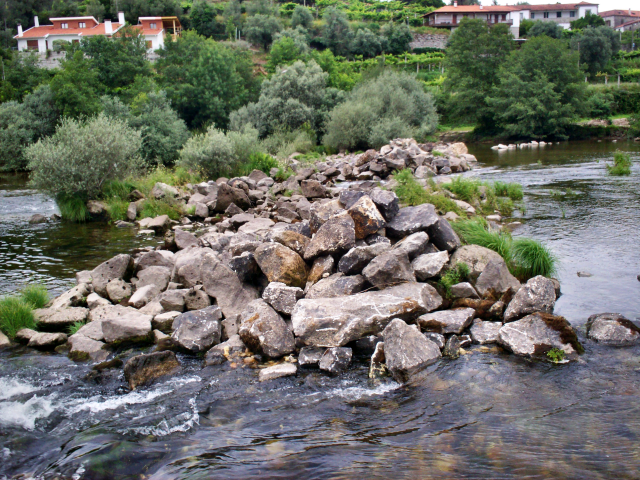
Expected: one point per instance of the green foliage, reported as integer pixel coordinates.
(203, 18)
(133, 9)
(601, 105)
(35, 295)
(458, 273)
(73, 329)
(22, 75)
(410, 192)
(596, 47)
(301, 17)
(336, 34)
(398, 38)
(260, 29)
(511, 190)
(117, 208)
(366, 43)
(530, 258)
(15, 314)
(260, 161)
(75, 87)
(589, 20)
(465, 189)
(556, 355)
(475, 232)
(211, 152)
(72, 207)
(284, 51)
(621, 164)
(539, 91)
(154, 208)
(550, 29)
(389, 106)
(82, 155)
(299, 35)
(525, 25)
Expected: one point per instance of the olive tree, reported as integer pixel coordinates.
(211, 152)
(366, 43)
(260, 29)
(301, 17)
(550, 29)
(337, 33)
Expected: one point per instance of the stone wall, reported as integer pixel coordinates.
(429, 40)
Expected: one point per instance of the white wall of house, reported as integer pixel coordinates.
(157, 41)
(582, 10)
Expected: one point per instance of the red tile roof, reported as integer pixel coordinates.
(42, 31)
(554, 7)
(476, 9)
(147, 31)
(620, 13)
(631, 22)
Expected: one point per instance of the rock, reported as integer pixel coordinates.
(452, 347)
(161, 190)
(143, 369)
(495, 280)
(83, 276)
(96, 209)
(197, 331)
(184, 239)
(321, 266)
(164, 321)
(313, 189)
(50, 320)
(321, 212)
(222, 352)
(334, 322)
(38, 218)
(159, 224)
(94, 300)
(310, 355)
(413, 245)
(221, 283)
(4, 340)
(92, 330)
(132, 211)
(293, 240)
(143, 296)
(485, 332)
(390, 268)
(157, 276)
(537, 295)
(335, 359)
(230, 327)
(118, 290)
(277, 371)
(348, 198)
(240, 219)
(264, 331)
(256, 225)
(447, 321)
(377, 367)
(281, 264)
(281, 297)
(127, 327)
(443, 236)
(24, 335)
(475, 257)
(71, 298)
(406, 350)
(585, 274)
(463, 290)
(436, 338)
(196, 299)
(232, 210)
(356, 259)
(429, 265)
(366, 217)
(47, 341)
(337, 285)
(228, 195)
(411, 220)
(612, 329)
(536, 334)
(335, 236)
(85, 348)
(245, 266)
(155, 258)
(116, 268)
(387, 203)
(173, 300)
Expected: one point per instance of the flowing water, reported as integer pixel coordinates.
(487, 414)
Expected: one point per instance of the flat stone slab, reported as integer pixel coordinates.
(447, 321)
(277, 371)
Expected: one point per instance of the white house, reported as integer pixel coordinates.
(615, 18)
(155, 29)
(71, 29)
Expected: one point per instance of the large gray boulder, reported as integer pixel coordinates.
(197, 331)
(127, 327)
(143, 369)
(117, 267)
(162, 258)
(334, 322)
(85, 348)
(184, 239)
(218, 354)
(143, 296)
(118, 290)
(335, 236)
(406, 350)
(47, 341)
(485, 332)
(390, 268)
(495, 280)
(173, 300)
(337, 285)
(71, 298)
(188, 265)
(221, 283)
(227, 195)
(387, 203)
(263, 330)
(429, 265)
(537, 295)
(443, 236)
(411, 220)
(413, 245)
(321, 212)
(281, 297)
(536, 334)
(447, 321)
(50, 320)
(281, 264)
(612, 329)
(366, 217)
(475, 257)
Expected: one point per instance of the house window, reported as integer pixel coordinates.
(32, 44)
(588, 11)
(82, 25)
(533, 15)
(504, 18)
(521, 16)
(559, 14)
(152, 26)
(64, 25)
(572, 14)
(545, 14)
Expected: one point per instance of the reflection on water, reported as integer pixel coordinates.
(487, 414)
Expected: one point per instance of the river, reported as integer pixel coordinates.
(487, 414)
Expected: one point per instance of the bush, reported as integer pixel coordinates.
(260, 161)
(154, 208)
(35, 295)
(550, 29)
(82, 155)
(336, 34)
(211, 152)
(621, 164)
(388, 106)
(301, 16)
(260, 29)
(15, 314)
(601, 105)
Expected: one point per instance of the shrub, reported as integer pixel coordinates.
(621, 164)
(245, 143)
(211, 152)
(82, 155)
(301, 17)
(260, 29)
(260, 161)
(390, 105)
(336, 34)
(15, 314)
(154, 208)
(550, 29)
(35, 295)
(601, 105)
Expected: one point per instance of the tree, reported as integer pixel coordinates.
(203, 19)
(550, 29)
(539, 90)
(299, 35)
(525, 25)
(398, 38)
(76, 87)
(260, 7)
(64, 8)
(22, 75)
(336, 34)
(284, 51)
(82, 155)
(595, 49)
(388, 106)
(474, 55)
(601, 105)
(205, 80)
(366, 43)
(589, 20)
(613, 36)
(301, 17)
(134, 9)
(260, 29)
(95, 9)
(211, 152)
(232, 15)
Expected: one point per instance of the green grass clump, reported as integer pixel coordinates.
(154, 208)
(15, 314)
(475, 232)
(621, 164)
(555, 355)
(117, 208)
(505, 206)
(464, 188)
(73, 208)
(284, 173)
(191, 210)
(118, 189)
(35, 295)
(259, 161)
(511, 190)
(73, 329)
(409, 191)
(453, 276)
(531, 258)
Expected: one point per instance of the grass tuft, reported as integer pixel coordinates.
(73, 208)
(464, 188)
(73, 329)
(621, 164)
(15, 314)
(117, 208)
(410, 192)
(453, 276)
(531, 258)
(511, 190)
(35, 295)
(259, 161)
(153, 208)
(475, 232)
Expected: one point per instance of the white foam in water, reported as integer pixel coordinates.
(25, 414)
(181, 423)
(10, 387)
(356, 393)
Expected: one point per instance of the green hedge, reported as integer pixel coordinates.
(627, 98)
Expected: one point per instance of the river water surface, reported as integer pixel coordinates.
(487, 414)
